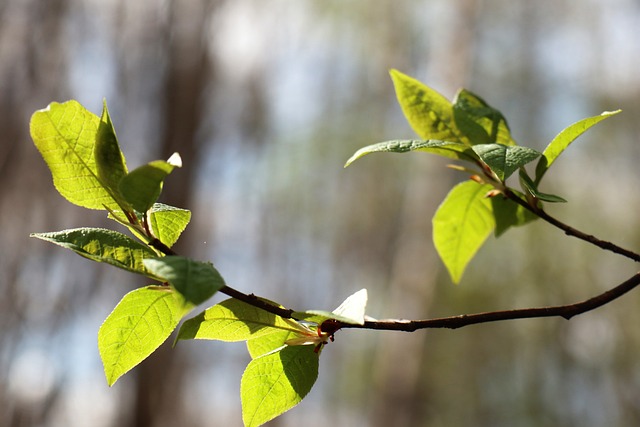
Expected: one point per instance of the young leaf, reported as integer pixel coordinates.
(353, 307)
(141, 321)
(350, 311)
(65, 135)
(429, 113)
(505, 159)
(143, 185)
(110, 161)
(234, 320)
(196, 281)
(563, 139)
(452, 150)
(276, 382)
(168, 222)
(478, 121)
(461, 225)
(101, 245)
(531, 187)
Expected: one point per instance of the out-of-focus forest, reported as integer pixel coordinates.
(265, 101)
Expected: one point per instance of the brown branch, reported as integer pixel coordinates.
(253, 300)
(157, 244)
(566, 311)
(453, 322)
(250, 299)
(570, 231)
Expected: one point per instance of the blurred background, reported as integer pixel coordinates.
(265, 101)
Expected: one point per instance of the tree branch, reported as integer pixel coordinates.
(253, 300)
(566, 311)
(453, 322)
(250, 299)
(570, 231)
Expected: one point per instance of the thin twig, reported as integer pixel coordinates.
(253, 300)
(566, 311)
(570, 231)
(234, 293)
(453, 322)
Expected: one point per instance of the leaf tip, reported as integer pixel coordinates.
(361, 152)
(397, 75)
(175, 160)
(111, 382)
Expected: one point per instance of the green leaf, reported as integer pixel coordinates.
(350, 311)
(168, 222)
(269, 342)
(452, 150)
(504, 160)
(196, 281)
(102, 245)
(478, 121)
(143, 185)
(234, 320)
(509, 214)
(110, 161)
(65, 135)
(429, 113)
(142, 321)
(564, 139)
(276, 382)
(532, 188)
(461, 225)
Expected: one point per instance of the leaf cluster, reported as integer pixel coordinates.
(89, 169)
(471, 131)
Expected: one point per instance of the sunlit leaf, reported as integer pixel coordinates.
(429, 113)
(350, 311)
(142, 186)
(504, 160)
(168, 222)
(234, 320)
(102, 245)
(110, 161)
(353, 307)
(196, 281)
(461, 225)
(65, 135)
(276, 382)
(269, 342)
(452, 150)
(142, 321)
(564, 139)
(478, 121)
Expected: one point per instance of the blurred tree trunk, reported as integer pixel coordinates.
(399, 397)
(28, 80)
(159, 379)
